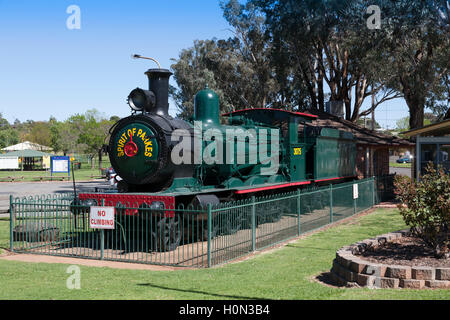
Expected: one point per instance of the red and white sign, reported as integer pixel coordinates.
(355, 191)
(101, 218)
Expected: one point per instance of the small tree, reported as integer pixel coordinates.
(90, 131)
(427, 209)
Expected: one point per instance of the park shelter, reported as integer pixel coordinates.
(27, 145)
(432, 145)
(31, 159)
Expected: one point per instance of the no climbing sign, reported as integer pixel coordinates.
(101, 218)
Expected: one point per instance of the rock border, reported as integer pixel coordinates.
(351, 271)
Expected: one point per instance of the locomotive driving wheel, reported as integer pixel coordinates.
(233, 223)
(214, 230)
(167, 234)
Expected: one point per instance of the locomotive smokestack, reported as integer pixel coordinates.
(159, 85)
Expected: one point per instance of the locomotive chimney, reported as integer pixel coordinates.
(159, 85)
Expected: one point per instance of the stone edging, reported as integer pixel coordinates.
(351, 271)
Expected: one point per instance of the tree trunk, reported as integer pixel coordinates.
(373, 110)
(100, 159)
(360, 95)
(416, 114)
(311, 90)
(320, 96)
(416, 104)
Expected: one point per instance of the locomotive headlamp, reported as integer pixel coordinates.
(141, 100)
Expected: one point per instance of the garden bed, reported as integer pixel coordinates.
(393, 260)
(405, 251)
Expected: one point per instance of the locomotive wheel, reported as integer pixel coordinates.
(261, 218)
(214, 230)
(233, 224)
(276, 214)
(167, 234)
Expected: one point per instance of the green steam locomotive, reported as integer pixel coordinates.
(165, 162)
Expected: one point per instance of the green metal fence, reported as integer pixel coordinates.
(385, 188)
(183, 236)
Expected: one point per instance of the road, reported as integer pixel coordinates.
(400, 171)
(23, 189)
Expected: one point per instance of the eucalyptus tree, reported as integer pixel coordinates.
(239, 68)
(415, 39)
(193, 70)
(329, 50)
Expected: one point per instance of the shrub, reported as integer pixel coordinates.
(427, 210)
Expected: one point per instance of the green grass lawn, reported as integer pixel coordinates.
(284, 273)
(399, 165)
(4, 234)
(82, 174)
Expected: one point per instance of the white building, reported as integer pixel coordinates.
(27, 145)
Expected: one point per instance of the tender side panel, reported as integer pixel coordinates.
(334, 155)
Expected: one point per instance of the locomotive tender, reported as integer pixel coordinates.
(165, 162)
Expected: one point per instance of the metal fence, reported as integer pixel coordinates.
(191, 237)
(384, 186)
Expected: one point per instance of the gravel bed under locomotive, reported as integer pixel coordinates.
(141, 146)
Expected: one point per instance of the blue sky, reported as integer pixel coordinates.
(48, 70)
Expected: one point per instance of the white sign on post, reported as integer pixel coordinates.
(60, 165)
(355, 191)
(101, 218)
(9, 163)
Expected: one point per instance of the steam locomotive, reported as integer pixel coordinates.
(166, 162)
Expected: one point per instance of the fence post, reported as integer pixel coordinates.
(298, 211)
(102, 238)
(331, 203)
(253, 223)
(374, 181)
(209, 235)
(11, 222)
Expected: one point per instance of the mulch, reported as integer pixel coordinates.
(406, 251)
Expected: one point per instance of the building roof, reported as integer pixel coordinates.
(26, 154)
(361, 134)
(27, 145)
(275, 111)
(436, 129)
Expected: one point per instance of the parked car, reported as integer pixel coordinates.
(404, 160)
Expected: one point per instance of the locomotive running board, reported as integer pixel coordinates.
(278, 186)
(336, 178)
